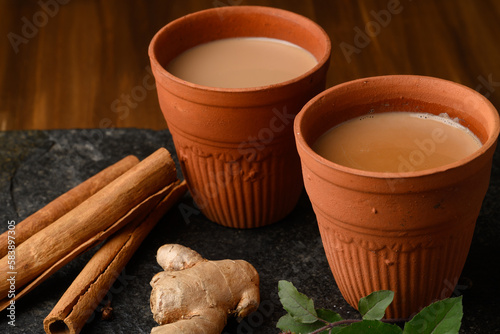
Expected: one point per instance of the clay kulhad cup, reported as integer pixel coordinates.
(235, 145)
(408, 232)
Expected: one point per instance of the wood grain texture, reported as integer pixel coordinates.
(84, 63)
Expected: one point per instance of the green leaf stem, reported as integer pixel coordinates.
(441, 317)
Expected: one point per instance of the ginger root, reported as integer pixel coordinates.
(194, 295)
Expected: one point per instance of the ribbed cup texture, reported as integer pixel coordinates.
(410, 231)
(424, 269)
(238, 192)
(211, 125)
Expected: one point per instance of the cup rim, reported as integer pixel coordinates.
(301, 141)
(239, 9)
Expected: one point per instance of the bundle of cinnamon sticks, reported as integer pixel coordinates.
(121, 205)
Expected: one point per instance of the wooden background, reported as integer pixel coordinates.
(84, 63)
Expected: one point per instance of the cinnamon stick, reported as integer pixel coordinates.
(92, 284)
(135, 213)
(96, 214)
(66, 202)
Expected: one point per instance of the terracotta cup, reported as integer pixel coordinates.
(236, 146)
(408, 232)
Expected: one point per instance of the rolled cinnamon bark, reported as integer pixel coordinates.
(66, 202)
(135, 213)
(93, 216)
(92, 284)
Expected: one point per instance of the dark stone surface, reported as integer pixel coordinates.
(37, 166)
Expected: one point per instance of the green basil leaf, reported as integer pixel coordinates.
(373, 306)
(328, 315)
(441, 317)
(288, 323)
(298, 305)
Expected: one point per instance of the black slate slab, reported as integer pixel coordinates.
(37, 166)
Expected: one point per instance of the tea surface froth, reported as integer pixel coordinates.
(397, 142)
(242, 62)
